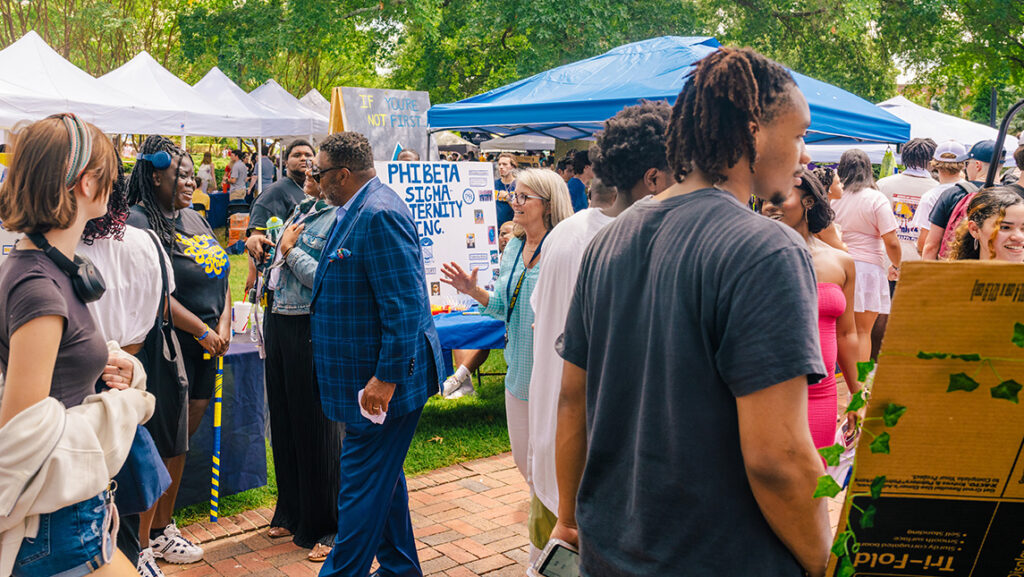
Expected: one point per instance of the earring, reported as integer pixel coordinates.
(977, 245)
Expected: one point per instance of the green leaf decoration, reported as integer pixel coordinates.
(880, 444)
(892, 415)
(970, 357)
(864, 369)
(867, 519)
(1018, 335)
(831, 454)
(827, 487)
(1006, 390)
(961, 382)
(845, 568)
(856, 402)
(839, 548)
(927, 356)
(876, 486)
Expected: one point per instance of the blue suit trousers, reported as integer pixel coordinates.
(373, 502)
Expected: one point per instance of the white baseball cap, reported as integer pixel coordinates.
(950, 151)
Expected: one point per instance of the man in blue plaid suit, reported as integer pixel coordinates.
(372, 332)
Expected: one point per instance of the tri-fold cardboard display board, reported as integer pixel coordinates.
(946, 498)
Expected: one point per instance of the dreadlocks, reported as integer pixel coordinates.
(142, 191)
(725, 92)
(917, 153)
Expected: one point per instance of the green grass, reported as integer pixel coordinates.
(450, 431)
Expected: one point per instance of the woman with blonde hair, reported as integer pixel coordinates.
(540, 201)
(994, 227)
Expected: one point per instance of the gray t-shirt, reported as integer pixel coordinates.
(680, 307)
(239, 171)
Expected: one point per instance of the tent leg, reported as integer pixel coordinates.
(259, 166)
(184, 143)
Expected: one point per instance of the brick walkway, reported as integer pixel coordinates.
(469, 519)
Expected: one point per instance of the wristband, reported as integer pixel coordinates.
(205, 334)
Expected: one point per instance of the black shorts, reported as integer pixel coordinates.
(200, 372)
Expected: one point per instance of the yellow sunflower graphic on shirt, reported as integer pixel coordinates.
(204, 250)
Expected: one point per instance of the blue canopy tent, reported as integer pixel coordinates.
(572, 101)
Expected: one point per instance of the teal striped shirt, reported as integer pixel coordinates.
(519, 328)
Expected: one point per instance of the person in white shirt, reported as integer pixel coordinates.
(630, 156)
(948, 161)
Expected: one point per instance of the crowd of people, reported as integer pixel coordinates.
(649, 384)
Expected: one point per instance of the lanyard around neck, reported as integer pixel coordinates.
(519, 285)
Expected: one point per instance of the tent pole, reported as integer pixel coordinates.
(259, 166)
(184, 143)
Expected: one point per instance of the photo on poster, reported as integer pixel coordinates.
(486, 196)
(470, 240)
(478, 216)
(494, 257)
(435, 289)
(492, 235)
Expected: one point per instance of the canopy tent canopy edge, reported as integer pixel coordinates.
(573, 101)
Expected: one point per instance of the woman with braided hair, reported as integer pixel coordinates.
(674, 326)
(160, 192)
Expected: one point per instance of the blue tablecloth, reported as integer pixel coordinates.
(217, 215)
(243, 453)
(469, 330)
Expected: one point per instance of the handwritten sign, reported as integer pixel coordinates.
(452, 204)
(389, 118)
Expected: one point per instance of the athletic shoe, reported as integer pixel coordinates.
(466, 390)
(452, 384)
(174, 548)
(147, 566)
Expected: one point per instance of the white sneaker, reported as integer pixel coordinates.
(147, 566)
(452, 385)
(174, 548)
(466, 390)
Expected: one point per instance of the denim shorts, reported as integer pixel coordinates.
(71, 542)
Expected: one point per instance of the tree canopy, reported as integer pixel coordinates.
(957, 50)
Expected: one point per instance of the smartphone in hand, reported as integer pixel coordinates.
(559, 559)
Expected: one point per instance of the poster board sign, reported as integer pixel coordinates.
(940, 492)
(388, 118)
(452, 204)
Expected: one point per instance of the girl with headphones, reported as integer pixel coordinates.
(60, 177)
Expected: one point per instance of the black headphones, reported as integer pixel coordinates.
(160, 160)
(86, 280)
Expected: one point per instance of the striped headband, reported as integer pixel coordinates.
(80, 150)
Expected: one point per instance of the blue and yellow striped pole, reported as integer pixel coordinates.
(218, 392)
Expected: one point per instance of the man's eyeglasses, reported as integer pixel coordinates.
(317, 174)
(520, 197)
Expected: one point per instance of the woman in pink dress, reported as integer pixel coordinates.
(806, 210)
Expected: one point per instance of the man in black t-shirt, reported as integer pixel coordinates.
(683, 445)
(277, 200)
(979, 158)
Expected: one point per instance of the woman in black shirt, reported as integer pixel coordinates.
(160, 191)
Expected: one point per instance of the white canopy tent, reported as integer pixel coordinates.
(924, 123)
(38, 82)
(524, 142)
(151, 82)
(224, 94)
(316, 101)
(274, 96)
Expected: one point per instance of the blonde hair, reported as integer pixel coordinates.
(35, 196)
(550, 187)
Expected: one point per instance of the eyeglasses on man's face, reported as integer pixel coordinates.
(317, 174)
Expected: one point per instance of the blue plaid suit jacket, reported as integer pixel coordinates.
(370, 309)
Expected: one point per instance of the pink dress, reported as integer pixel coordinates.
(822, 411)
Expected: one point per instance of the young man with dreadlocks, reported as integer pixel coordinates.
(682, 444)
(160, 192)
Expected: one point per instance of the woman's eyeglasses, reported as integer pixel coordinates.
(317, 174)
(520, 197)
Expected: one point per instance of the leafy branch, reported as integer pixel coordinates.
(1007, 389)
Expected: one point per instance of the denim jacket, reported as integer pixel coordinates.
(295, 287)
